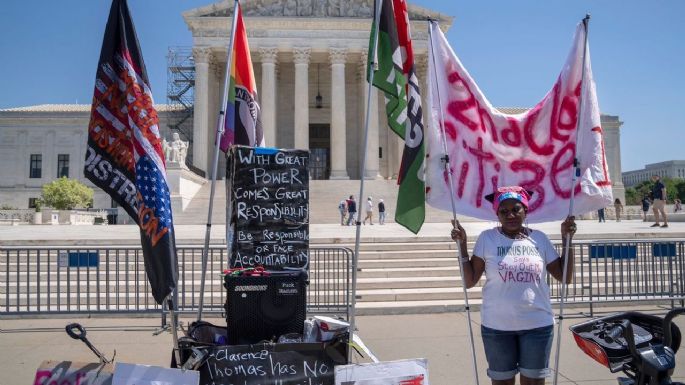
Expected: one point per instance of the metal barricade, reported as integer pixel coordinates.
(624, 271)
(110, 279)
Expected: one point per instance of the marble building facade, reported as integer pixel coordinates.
(300, 49)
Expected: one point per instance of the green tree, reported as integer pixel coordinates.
(680, 188)
(675, 188)
(632, 197)
(66, 194)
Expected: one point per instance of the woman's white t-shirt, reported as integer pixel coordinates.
(515, 294)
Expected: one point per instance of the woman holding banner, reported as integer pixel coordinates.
(517, 318)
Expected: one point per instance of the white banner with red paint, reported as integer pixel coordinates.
(488, 149)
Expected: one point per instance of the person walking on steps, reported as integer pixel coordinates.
(369, 211)
(381, 212)
(351, 209)
(659, 201)
(342, 207)
(516, 313)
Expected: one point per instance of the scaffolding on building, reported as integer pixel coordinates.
(180, 94)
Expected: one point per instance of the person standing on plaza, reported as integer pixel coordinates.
(351, 209)
(645, 207)
(659, 201)
(342, 207)
(369, 211)
(381, 212)
(516, 312)
(600, 215)
(618, 207)
(677, 206)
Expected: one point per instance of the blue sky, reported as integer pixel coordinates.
(513, 49)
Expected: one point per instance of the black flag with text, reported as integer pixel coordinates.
(124, 151)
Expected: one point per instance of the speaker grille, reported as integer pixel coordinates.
(262, 308)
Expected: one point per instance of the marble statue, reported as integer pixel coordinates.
(178, 151)
(166, 149)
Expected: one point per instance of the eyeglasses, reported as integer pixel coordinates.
(516, 210)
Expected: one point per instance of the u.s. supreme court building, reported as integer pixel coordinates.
(309, 59)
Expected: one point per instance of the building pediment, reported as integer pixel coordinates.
(308, 9)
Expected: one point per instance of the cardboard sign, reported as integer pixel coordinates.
(267, 364)
(131, 374)
(403, 372)
(73, 373)
(269, 200)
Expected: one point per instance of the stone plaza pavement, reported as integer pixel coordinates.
(441, 338)
(321, 233)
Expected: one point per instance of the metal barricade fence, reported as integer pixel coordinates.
(111, 279)
(623, 271)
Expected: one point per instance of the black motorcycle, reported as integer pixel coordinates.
(642, 346)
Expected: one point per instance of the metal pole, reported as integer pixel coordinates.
(171, 303)
(355, 256)
(220, 127)
(574, 178)
(431, 25)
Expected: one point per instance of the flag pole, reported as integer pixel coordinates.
(574, 178)
(220, 127)
(455, 221)
(172, 299)
(355, 256)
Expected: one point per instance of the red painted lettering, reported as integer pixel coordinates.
(532, 184)
(606, 181)
(481, 157)
(529, 135)
(512, 135)
(462, 179)
(565, 113)
(451, 131)
(559, 166)
(463, 102)
(487, 124)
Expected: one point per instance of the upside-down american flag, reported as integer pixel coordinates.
(124, 153)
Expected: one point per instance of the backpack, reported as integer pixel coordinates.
(341, 205)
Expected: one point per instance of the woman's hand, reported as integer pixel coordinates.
(568, 227)
(458, 233)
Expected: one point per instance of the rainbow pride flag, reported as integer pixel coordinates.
(243, 122)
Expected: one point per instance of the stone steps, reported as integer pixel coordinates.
(323, 201)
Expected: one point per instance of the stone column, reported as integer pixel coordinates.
(269, 58)
(301, 58)
(612, 149)
(49, 157)
(201, 110)
(338, 127)
(372, 166)
(80, 152)
(23, 170)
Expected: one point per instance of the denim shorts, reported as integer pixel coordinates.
(525, 351)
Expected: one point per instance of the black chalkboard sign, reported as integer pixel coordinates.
(269, 205)
(267, 364)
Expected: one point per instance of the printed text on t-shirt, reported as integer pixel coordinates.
(517, 264)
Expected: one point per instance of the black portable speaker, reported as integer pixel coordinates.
(262, 308)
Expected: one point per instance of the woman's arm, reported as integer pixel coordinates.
(472, 268)
(568, 229)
